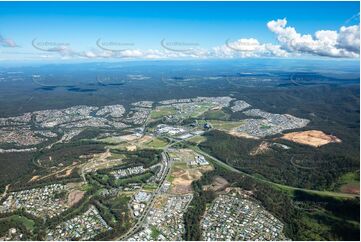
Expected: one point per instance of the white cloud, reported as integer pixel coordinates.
(330, 43)
(276, 50)
(242, 48)
(345, 43)
(248, 48)
(7, 42)
(349, 38)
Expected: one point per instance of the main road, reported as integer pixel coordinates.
(138, 225)
(281, 186)
(166, 162)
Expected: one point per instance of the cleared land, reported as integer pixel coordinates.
(216, 114)
(59, 173)
(286, 188)
(313, 138)
(222, 125)
(182, 182)
(234, 132)
(197, 139)
(182, 174)
(119, 139)
(134, 144)
(75, 196)
(162, 111)
(155, 143)
(131, 148)
(350, 183)
(261, 149)
(218, 184)
(28, 223)
(101, 161)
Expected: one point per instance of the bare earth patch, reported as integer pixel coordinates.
(236, 133)
(100, 161)
(261, 149)
(34, 178)
(218, 184)
(66, 173)
(128, 137)
(145, 139)
(313, 138)
(74, 197)
(183, 178)
(131, 148)
(350, 188)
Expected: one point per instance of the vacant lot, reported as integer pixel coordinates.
(182, 182)
(182, 176)
(216, 114)
(156, 143)
(313, 138)
(218, 184)
(119, 139)
(197, 139)
(350, 183)
(74, 197)
(261, 149)
(162, 111)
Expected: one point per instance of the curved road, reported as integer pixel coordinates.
(286, 187)
(139, 223)
(166, 163)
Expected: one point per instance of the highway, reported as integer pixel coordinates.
(285, 187)
(166, 162)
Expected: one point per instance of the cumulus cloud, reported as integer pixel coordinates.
(345, 43)
(248, 48)
(6, 42)
(349, 38)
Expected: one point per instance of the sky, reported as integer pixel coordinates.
(172, 30)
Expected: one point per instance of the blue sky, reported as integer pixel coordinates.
(145, 24)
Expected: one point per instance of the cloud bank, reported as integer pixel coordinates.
(342, 43)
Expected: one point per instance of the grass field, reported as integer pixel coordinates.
(156, 143)
(216, 115)
(155, 233)
(116, 156)
(350, 177)
(349, 183)
(160, 112)
(28, 223)
(199, 109)
(225, 125)
(177, 166)
(265, 126)
(197, 139)
(150, 187)
(118, 139)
